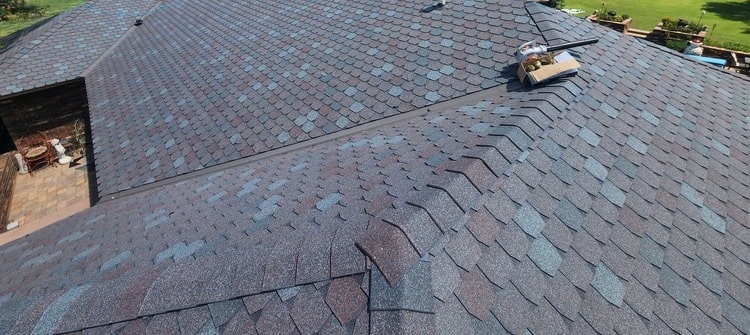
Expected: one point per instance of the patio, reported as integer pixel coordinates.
(51, 194)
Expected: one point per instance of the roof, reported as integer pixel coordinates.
(64, 47)
(189, 101)
(612, 201)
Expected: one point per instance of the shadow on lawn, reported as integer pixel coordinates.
(735, 11)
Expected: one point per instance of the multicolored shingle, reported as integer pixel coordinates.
(611, 201)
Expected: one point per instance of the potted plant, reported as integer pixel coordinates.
(669, 28)
(610, 18)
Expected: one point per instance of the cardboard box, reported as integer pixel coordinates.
(562, 64)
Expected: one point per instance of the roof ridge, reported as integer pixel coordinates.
(307, 143)
(84, 292)
(119, 40)
(450, 197)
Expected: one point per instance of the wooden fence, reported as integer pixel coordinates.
(8, 171)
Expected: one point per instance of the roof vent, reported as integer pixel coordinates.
(138, 22)
(437, 5)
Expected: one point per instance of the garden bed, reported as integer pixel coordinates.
(622, 26)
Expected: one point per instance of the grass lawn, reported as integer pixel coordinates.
(55, 7)
(731, 17)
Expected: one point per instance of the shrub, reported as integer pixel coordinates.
(13, 9)
(727, 44)
(677, 45)
(610, 15)
(682, 26)
(556, 4)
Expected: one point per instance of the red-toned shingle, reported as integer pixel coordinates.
(346, 299)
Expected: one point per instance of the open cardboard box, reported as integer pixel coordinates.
(562, 64)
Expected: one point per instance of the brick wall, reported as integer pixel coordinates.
(44, 109)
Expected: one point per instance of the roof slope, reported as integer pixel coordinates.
(63, 48)
(613, 201)
(280, 224)
(189, 90)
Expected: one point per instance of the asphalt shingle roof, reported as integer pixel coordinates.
(612, 201)
(189, 90)
(63, 48)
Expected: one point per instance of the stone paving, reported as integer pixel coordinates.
(51, 194)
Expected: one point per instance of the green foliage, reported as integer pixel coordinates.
(731, 17)
(52, 7)
(681, 25)
(714, 42)
(611, 15)
(556, 4)
(19, 9)
(677, 45)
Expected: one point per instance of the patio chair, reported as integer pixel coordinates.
(36, 150)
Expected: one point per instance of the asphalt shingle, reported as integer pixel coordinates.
(411, 292)
(608, 285)
(545, 256)
(468, 213)
(529, 220)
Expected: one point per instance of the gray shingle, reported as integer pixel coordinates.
(550, 148)
(413, 291)
(432, 96)
(674, 286)
(41, 259)
(223, 311)
(288, 293)
(115, 261)
(674, 111)
(75, 236)
(529, 220)
(691, 194)
(480, 127)
(595, 168)
(329, 201)
(609, 110)
(447, 70)
(433, 75)
(569, 214)
(342, 122)
(652, 252)
(651, 118)
(613, 193)
(357, 107)
(637, 144)
(712, 219)
(589, 136)
(626, 166)
(350, 91)
(545, 255)
(608, 285)
(395, 91)
(721, 147)
(47, 323)
(564, 171)
(708, 276)
(85, 253)
(179, 250)
(736, 313)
